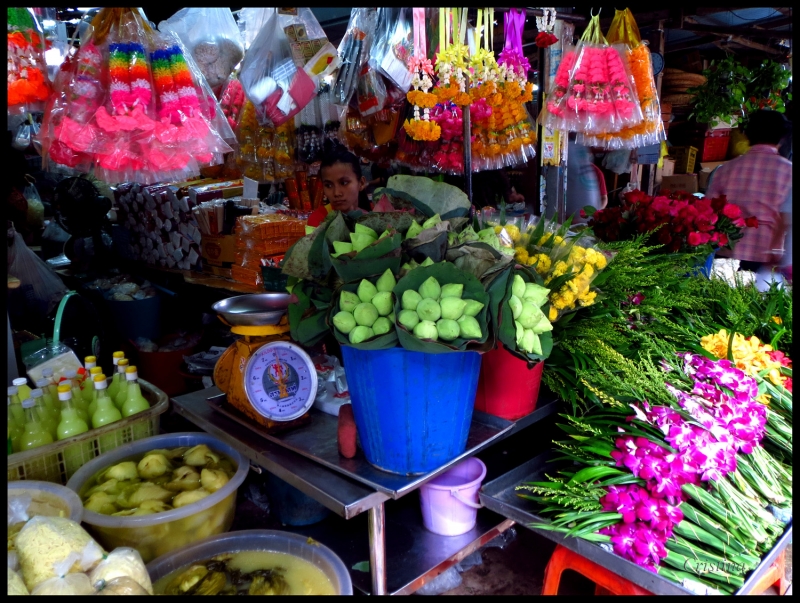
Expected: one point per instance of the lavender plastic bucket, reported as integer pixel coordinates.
(450, 501)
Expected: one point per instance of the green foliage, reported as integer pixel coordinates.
(723, 94)
(765, 86)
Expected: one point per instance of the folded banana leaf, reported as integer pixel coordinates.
(307, 317)
(428, 196)
(399, 220)
(478, 258)
(444, 273)
(309, 258)
(379, 342)
(373, 260)
(430, 243)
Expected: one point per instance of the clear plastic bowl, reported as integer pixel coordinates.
(257, 540)
(157, 534)
(62, 501)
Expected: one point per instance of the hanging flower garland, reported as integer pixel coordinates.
(421, 128)
(27, 80)
(545, 25)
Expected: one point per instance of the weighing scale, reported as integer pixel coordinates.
(264, 375)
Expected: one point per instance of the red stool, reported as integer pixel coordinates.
(608, 583)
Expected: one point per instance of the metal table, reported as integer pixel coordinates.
(500, 496)
(428, 554)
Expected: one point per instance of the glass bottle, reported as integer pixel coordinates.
(52, 383)
(93, 398)
(89, 363)
(47, 419)
(113, 387)
(136, 402)
(52, 407)
(105, 412)
(71, 424)
(71, 379)
(23, 390)
(16, 406)
(35, 434)
(14, 427)
(122, 384)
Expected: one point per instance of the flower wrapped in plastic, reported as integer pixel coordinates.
(28, 84)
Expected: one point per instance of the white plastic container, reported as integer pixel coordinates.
(44, 498)
(157, 534)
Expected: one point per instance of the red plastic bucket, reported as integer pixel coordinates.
(507, 388)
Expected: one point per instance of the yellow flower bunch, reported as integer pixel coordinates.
(422, 130)
(511, 229)
(521, 255)
(541, 262)
(749, 355)
(424, 100)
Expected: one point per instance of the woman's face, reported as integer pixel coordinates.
(342, 186)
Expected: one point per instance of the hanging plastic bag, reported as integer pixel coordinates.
(270, 78)
(251, 21)
(306, 37)
(212, 38)
(35, 205)
(354, 52)
(31, 270)
(28, 84)
(393, 46)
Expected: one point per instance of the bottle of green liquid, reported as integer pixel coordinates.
(105, 412)
(16, 405)
(78, 403)
(113, 387)
(52, 382)
(96, 370)
(46, 418)
(87, 386)
(76, 455)
(136, 402)
(53, 407)
(35, 434)
(23, 390)
(14, 427)
(122, 389)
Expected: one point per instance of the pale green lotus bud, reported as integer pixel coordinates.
(361, 229)
(391, 318)
(520, 333)
(432, 221)
(528, 341)
(383, 303)
(530, 315)
(361, 240)
(426, 329)
(447, 329)
(537, 345)
(516, 306)
(469, 328)
(452, 307)
(428, 309)
(382, 326)
(360, 334)
(410, 299)
(344, 321)
(430, 289)
(386, 282)
(342, 246)
(406, 267)
(383, 235)
(452, 290)
(414, 230)
(452, 238)
(310, 229)
(536, 293)
(408, 318)
(543, 325)
(427, 262)
(366, 291)
(473, 307)
(518, 286)
(365, 315)
(348, 301)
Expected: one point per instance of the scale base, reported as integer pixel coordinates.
(265, 425)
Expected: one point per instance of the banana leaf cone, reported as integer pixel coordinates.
(373, 260)
(307, 317)
(310, 257)
(430, 243)
(479, 259)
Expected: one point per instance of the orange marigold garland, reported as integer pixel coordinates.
(421, 127)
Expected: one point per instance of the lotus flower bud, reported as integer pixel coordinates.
(448, 329)
(381, 326)
(536, 293)
(384, 234)
(469, 328)
(414, 230)
(528, 341)
(516, 306)
(427, 262)
(360, 240)
(543, 325)
(342, 246)
(366, 291)
(344, 321)
(431, 222)
(409, 319)
(426, 329)
(428, 309)
(310, 229)
(365, 315)
(391, 318)
(473, 307)
(518, 286)
(520, 333)
(410, 299)
(386, 282)
(366, 230)
(383, 303)
(360, 334)
(530, 315)
(348, 301)
(430, 289)
(452, 290)
(452, 307)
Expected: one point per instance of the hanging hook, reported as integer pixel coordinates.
(591, 12)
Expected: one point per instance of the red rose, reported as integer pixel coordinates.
(739, 222)
(723, 239)
(704, 225)
(718, 203)
(731, 211)
(694, 239)
(545, 39)
(751, 222)
(664, 237)
(582, 213)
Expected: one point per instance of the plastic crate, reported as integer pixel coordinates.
(48, 463)
(685, 158)
(715, 147)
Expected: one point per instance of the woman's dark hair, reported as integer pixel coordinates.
(767, 127)
(335, 152)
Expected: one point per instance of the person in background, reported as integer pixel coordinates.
(583, 186)
(759, 182)
(601, 184)
(489, 187)
(342, 182)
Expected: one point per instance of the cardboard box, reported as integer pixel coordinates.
(217, 271)
(219, 250)
(711, 165)
(668, 169)
(702, 179)
(679, 182)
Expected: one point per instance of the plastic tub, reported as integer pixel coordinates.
(292, 507)
(157, 534)
(52, 500)
(507, 388)
(412, 410)
(450, 501)
(257, 540)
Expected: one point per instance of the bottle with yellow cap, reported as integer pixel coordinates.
(105, 411)
(87, 385)
(16, 405)
(71, 379)
(52, 407)
(46, 418)
(72, 424)
(113, 387)
(23, 390)
(93, 399)
(136, 402)
(15, 427)
(52, 383)
(35, 434)
(88, 364)
(122, 390)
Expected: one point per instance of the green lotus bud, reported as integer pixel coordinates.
(361, 229)
(427, 262)
(537, 345)
(382, 326)
(408, 318)
(430, 289)
(426, 329)
(528, 341)
(344, 321)
(518, 286)
(383, 235)
(452, 238)
(386, 282)
(410, 299)
(530, 315)
(342, 247)
(543, 325)
(365, 315)
(487, 233)
(516, 306)
(406, 267)
(452, 290)
(383, 303)
(467, 235)
(366, 291)
(361, 333)
(310, 229)
(520, 333)
(348, 301)
(452, 307)
(469, 328)
(448, 329)
(536, 293)
(360, 241)
(391, 318)
(473, 307)
(429, 309)
(431, 222)
(413, 230)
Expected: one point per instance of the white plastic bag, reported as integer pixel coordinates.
(31, 270)
(121, 562)
(15, 584)
(65, 582)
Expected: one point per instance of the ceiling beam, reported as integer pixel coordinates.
(691, 24)
(686, 45)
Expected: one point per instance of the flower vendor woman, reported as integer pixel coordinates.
(342, 183)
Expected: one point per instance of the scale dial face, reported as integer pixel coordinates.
(280, 381)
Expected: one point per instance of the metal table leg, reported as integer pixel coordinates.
(377, 549)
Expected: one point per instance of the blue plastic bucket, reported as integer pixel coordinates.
(412, 410)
